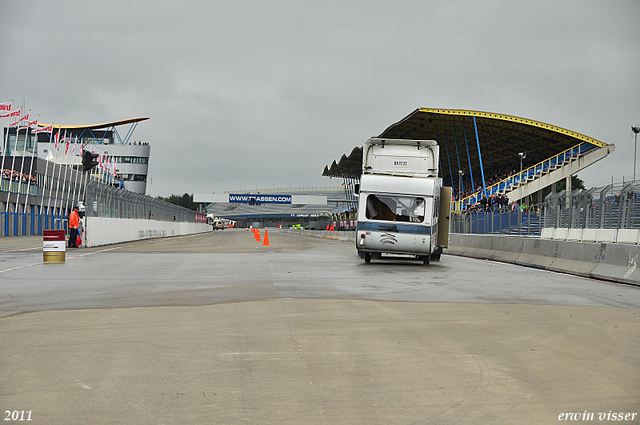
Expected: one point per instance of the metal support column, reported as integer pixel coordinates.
(484, 185)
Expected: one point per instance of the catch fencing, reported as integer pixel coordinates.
(46, 206)
(615, 206)
(111, 202)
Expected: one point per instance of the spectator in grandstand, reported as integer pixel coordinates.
(483, 203)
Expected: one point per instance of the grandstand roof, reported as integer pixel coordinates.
(96, 126)
(501, 136)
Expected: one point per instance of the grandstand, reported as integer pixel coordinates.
(480, 153)
(479, 158)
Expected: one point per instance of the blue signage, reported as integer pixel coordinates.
(259, 199)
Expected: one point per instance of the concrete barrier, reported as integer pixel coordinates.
(628, 236)
(619, 263)
(506, 248)
(608, 261)
(574, 235)
(631, 236)
(590, 235)
(538, 253)
(560, 233)
(457, 243)
(607, 235)
(478, 246)
(575, 257)
(106, 231)
(547, 233)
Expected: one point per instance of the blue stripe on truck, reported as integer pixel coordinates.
(394, 227)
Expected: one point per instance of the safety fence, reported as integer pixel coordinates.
(29, 216)
(500, 222)
(30, 223)
(112, 202)
(615, 206)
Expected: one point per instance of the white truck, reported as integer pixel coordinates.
(403, 209)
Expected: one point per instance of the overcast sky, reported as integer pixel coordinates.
(262, 93)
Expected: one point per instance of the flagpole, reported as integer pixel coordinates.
(6, 137)
(84, 177)
(4, 154)
(46, 169)
(53, 172)
(15, 146)
(21, 173)
(55, 203)
(76, 186)
(35, 147)
(70, 192)
(67, 169)
(13, 162)
(111, 167)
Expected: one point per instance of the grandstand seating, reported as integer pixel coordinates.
(512, 185)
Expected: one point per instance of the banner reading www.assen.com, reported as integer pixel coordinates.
(263, 199)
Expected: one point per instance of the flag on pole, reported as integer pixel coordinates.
(5, 109)
(17, 123)
(66, 148)
(48, 129)
(57, 138)
(73, 149)
(33, 123)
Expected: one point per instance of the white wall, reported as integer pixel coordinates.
(105, 231)
(629, 236)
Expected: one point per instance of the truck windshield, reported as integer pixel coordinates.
(395, 208)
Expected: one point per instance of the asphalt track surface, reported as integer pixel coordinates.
(218, 328)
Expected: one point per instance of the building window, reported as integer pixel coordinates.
(132, 160)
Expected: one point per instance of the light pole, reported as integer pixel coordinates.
(636, 130)
(461, 173)
(522, 156)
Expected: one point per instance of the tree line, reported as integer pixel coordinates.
(185, 201)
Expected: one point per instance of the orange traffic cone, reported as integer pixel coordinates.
(258, 235)
(266, 238)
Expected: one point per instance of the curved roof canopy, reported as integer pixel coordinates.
(501, 138)
(97, 126)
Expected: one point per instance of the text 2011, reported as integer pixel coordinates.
(17, 415)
